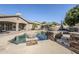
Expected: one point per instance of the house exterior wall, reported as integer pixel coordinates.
(38, 27)
(17, 20)
(28, 26)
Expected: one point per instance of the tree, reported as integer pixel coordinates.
(44, 23)
(54, 23)
(72, 16)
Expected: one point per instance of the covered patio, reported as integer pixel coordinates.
(11, 26)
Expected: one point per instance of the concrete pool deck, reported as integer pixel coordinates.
(43, 47)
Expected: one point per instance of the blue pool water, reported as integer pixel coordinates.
(19, 39)
(22, 38)
(41, 36)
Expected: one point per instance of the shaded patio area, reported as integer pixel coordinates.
(11, 26)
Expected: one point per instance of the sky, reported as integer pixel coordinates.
(37, 12)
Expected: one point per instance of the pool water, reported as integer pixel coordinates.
(22, 38)
(41, 36)
(19, 39)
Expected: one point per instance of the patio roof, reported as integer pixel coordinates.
(8, 16)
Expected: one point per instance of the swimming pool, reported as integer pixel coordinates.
(24, 37)
(41, 36)
(19, 39)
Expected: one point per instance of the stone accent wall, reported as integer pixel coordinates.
(50, 35)
(74, 42)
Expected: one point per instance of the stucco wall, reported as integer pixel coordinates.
(28, 26)
(19, 20)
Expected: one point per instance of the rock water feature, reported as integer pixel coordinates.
(65, 41)
(74, 42)
(50, 35)
(62, 39)
(58, 36)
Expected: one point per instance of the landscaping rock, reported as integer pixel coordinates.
(31, 42)
(50, 35)
(58, 35)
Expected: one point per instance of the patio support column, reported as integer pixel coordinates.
(25, 28)
(17, 29)
(17, 26)
(4, 27)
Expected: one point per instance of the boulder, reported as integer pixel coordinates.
(50, 35)
(58, 35)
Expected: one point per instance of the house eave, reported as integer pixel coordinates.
(8, 16)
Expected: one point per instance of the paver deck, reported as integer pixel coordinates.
(43, 47)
